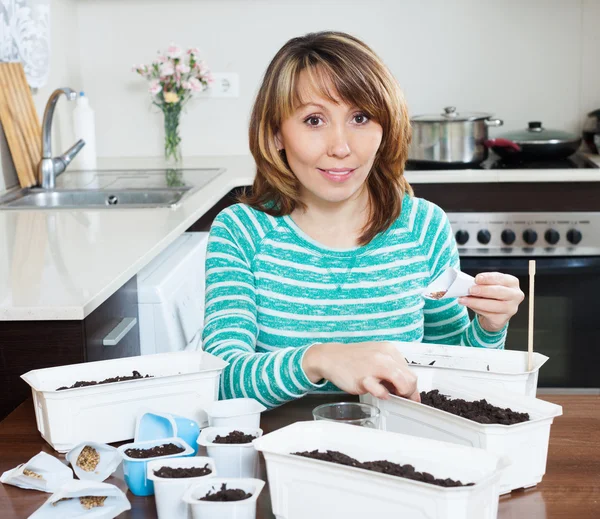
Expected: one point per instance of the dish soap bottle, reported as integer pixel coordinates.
(84, 128)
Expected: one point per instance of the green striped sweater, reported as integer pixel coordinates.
(272, 292)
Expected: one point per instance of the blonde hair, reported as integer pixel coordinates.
(359, 78)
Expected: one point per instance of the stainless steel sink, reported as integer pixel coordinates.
(36, 198)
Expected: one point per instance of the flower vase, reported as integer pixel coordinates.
(172, 112)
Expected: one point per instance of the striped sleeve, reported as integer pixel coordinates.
(230, 322)
(446, 321)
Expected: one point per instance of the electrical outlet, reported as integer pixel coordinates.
(225, 84)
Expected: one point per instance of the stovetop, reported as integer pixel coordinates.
(575, 161)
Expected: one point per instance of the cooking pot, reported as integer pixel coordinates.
(451, 138)
(535, 142)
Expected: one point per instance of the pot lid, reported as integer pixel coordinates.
(535, 133)
(450, 114)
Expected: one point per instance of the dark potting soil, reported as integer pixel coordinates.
(226, 494)
(234, 437)
(83, 383)
(418, 363)
(385, 467)
(479, 411)
(160, 450)
(182, 472)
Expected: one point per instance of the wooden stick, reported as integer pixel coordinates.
(530, 330)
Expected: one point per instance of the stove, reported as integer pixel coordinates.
(526, 234)
(499, 226)
(575, 161)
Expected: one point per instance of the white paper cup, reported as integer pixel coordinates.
(231, 460)
(169, 491)
(241, 412)
(245, 509)
(110, 459)
(452, 283)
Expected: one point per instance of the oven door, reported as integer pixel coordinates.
(567, 315)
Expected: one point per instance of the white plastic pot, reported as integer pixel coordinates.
(304, 488)
(525, 444)
(240, 412)
(245, 509)
(169, 491)
(231, 460)
(476, 367)
(183, 383)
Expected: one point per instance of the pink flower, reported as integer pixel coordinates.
(194, 51)
(202, 68)
(166, 69)
(173, 51)
(186, 85)
(182, 68)
(160, 58)
(155, 87)
(195, 85)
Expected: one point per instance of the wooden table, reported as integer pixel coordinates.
(570, 489)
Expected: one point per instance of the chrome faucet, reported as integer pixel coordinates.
(50, 167)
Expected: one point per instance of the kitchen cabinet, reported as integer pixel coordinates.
(27, 345)
(203, 224)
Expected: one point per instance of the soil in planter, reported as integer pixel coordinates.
(226, 494)
(160, 450)
(385, 467)
(83, 383)
(234, 437)
(418, 363)
(479, 411)
(182, 472)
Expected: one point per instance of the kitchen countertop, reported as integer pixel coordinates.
(570, 488)
(63, 264)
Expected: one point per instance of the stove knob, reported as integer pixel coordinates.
(484, 236)
(530, 236)
(508, 237)
(552, 236)
(574, 236)
(462, 237)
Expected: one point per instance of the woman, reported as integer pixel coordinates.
(324, 262)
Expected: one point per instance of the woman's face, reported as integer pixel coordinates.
(330, 147)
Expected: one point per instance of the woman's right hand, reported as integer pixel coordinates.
(359, 368)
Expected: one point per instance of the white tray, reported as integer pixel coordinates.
(184, 383)
(525, 444)
(507, 368)
(304, 488)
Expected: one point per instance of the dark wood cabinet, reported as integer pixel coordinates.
(27, 345)
(204, 223)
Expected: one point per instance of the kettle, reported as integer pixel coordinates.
(591, 131)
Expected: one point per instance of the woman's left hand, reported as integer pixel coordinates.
(495, 298)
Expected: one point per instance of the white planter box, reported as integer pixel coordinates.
(525, 444)
(304, 488)
(469, 366)
(184, 383)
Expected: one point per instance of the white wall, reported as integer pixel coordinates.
(519, 59)
(64, 70)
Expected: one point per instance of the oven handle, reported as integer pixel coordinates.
(520, 266)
